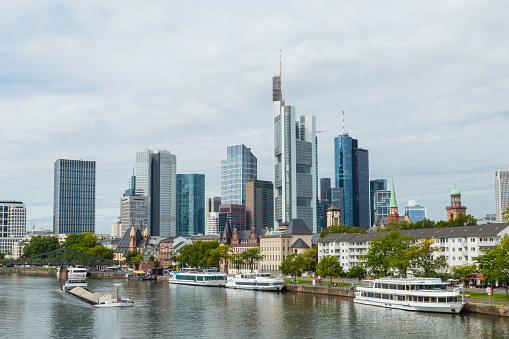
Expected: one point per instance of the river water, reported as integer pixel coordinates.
(34, 307)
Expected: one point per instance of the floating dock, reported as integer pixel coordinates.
(88, 296)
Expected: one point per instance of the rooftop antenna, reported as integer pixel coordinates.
(343, 122)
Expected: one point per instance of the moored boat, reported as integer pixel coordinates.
(410, 294)
(258, 282)
(207, 277)
(110, 301)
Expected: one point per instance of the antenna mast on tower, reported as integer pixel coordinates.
(343, 122)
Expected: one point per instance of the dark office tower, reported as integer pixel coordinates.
(236, 216)
(74, 197)
(259, 204)
(190, 204)
(324, 185)
(335, 196)
(375, 185)
(352, 174)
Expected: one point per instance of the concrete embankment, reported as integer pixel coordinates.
(498, 310)
(32, 271)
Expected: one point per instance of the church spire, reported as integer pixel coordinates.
(393, 207)
(393, 203)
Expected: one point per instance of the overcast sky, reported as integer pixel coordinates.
(424, 86)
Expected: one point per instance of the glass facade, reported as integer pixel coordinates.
(334, 197)
(238, 168)
(501, 193)
(190, 204)
(375, 185)
(74, 197)
(352, 174)
(259, 204)
(416, 212)
(382, 200)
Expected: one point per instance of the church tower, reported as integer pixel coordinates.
(132, 239)
(393, 207)
(455, 209)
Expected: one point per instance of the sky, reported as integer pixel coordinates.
(424, 87)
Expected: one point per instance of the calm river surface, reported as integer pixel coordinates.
(34, 307)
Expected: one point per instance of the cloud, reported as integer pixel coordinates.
(423, 87)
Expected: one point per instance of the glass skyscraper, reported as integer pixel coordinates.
(237, 169)
(501, 193)
(375, 185)
(295, 184)
(415, 212)
(382, 200)
(74, 197)
(190, 204)
(155, 176)
(352, 174)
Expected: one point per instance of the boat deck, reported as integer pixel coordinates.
(88, 296)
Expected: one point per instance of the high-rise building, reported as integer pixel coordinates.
(236, 216)
(501, 193)
(190, 204)
(134, 212)
(375, 185)
(325, 183)
(237, 169)
(259, 204)
(155, 176)
(415, 211)
(352, 174)
(74, 197)
(13, 224)
(335, 198)
(212, 223)
(211, 206)
(295, 193)
(382, 200)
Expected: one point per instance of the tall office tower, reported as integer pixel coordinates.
(236, 216)
(211, 206)
(155, 176)
(295, 192)
(352, 174)
(382, 200)
(501, 193)
(325, 184)
(74, 197)
(335, 198)
(415, 211)
(212, 226)
(259, 204)
(13, 224)
(375, 185)
(190, 204)
(134, 211)
(237, 169)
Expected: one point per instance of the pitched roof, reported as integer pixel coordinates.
(393, 203)
(297, 226)
(299, 243)
(123, 245)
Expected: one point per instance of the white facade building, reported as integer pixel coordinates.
(501, 193)
(295, 182)
(212, 223)
(13, 224)
(459, 245)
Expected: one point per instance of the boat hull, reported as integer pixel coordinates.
(409, 306)
(256, 288)
(197, 283)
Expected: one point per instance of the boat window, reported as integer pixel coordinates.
(385, 296)
(401, 287)
(385, 286)
(377, 295)
(401, 297)
(392, 286)
(419, 299)
(442, 300)
(426, 299)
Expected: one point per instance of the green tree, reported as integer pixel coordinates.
(40, 245)
(340, 229)
(101, 252)
(237, 259)
(397, 225)
(381, 255)
(2, 256)
(310, 257)
(423, 259)
(495, 262)
(506, 213)
(197, 254)
(329, 266)
(293, 265)
(134, 256)
(219, 255)
(252, 256)
(357, 271)
(464, 272)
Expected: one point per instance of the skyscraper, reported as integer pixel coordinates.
(414, 211)
(155, 176)
(134, 211)
(501, 193)
(335, 198)
(237, 168)
(352, 174)
(190, 204)
(74, 197)
(211, 220)
(13, 224)
(259, 204)
(381, 205)
(295, 193)
(375, 185)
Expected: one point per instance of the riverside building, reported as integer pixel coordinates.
(74, 197)
(13, 224)
(459, 245)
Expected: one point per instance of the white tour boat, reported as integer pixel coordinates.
(110, 301)
(207, 277)
(77, 273)
(259, 282)
(411, 294)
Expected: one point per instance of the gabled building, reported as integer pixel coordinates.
(133, 240)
